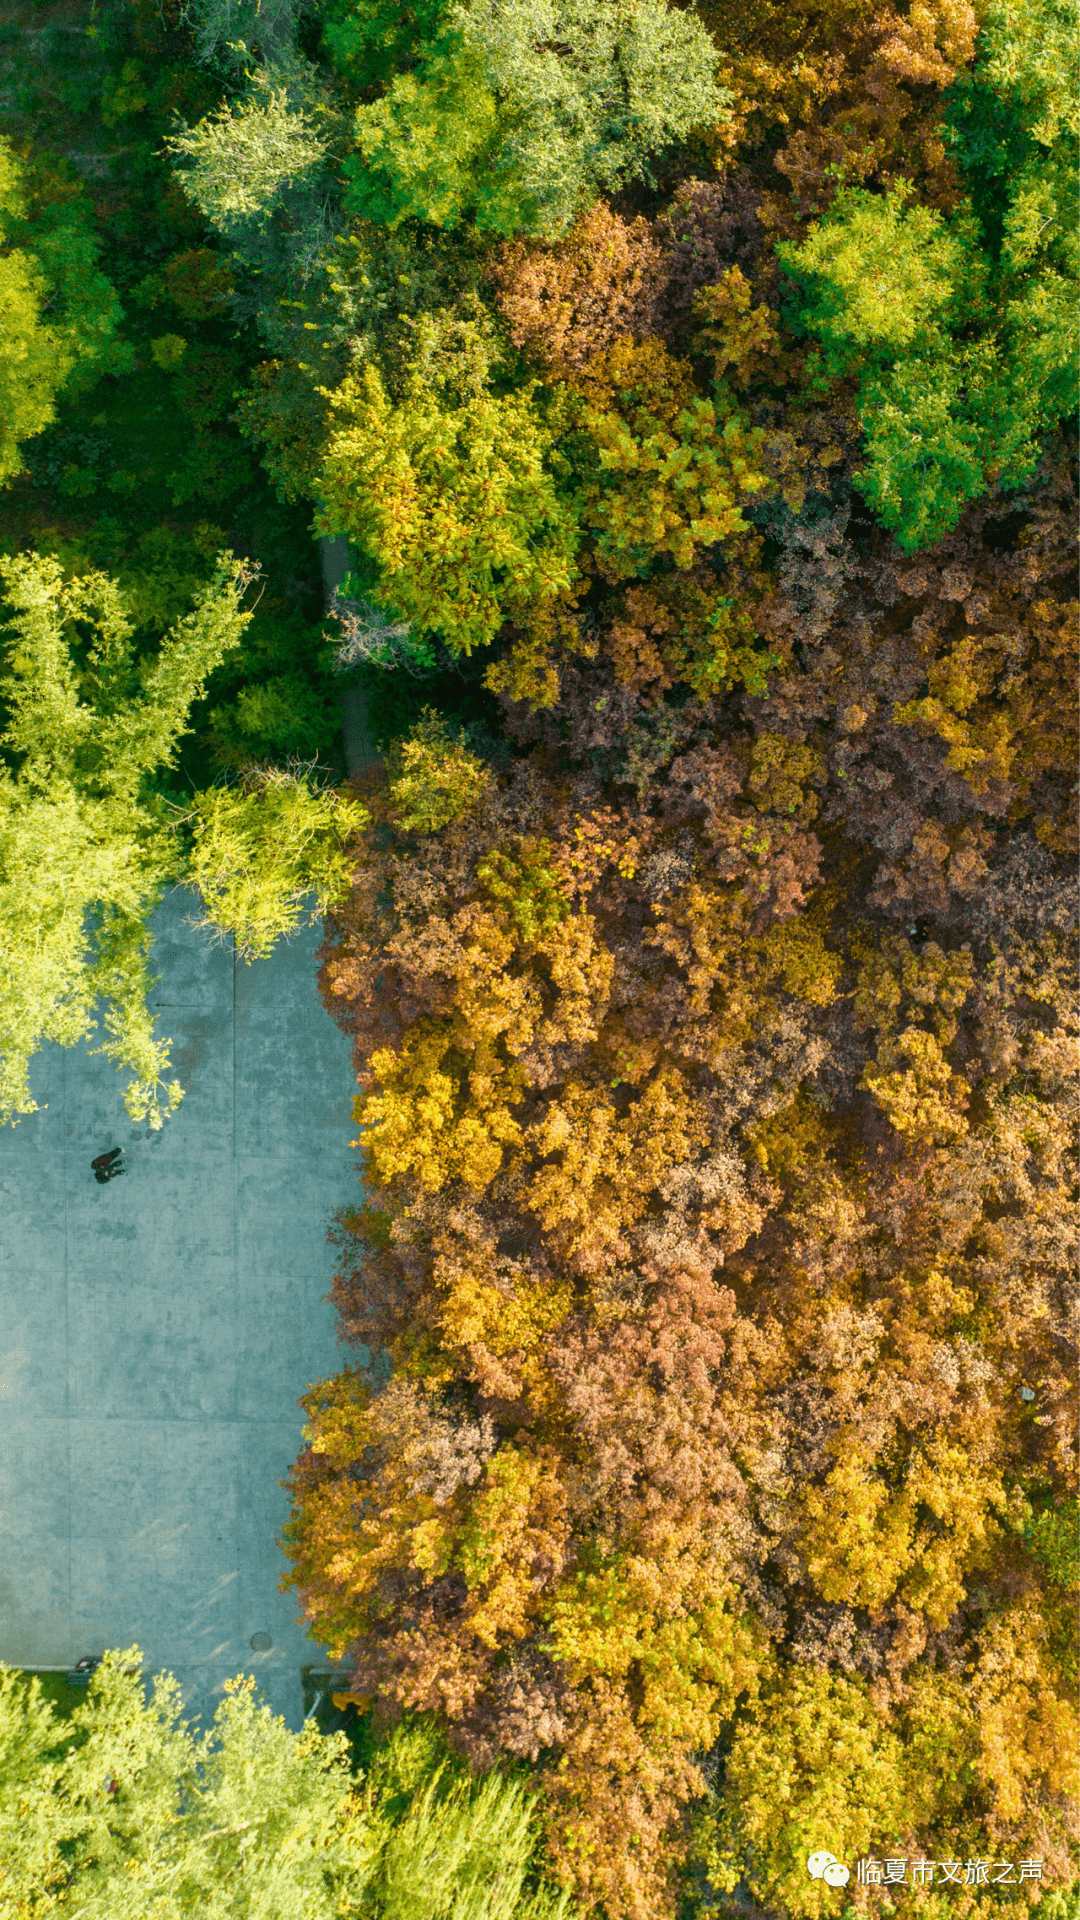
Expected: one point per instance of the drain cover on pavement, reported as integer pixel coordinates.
(260, 1642)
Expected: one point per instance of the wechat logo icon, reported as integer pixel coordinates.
(825, 1866)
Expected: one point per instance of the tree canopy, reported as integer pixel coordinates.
(60, 313)
(519, 114)
(121, 1811)
(88, 844)
(961, 330)
(692, 388)
(86, 849)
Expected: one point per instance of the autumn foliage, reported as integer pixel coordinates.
(716, 1071)
(707, 1440)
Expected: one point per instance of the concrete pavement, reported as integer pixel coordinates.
(155, 1333)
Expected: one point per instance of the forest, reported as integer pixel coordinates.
(695, 387)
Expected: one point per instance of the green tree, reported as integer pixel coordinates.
(449, 490)
(121, 1812)
(58, 313)
(433, 776)
(264, 852)
(961, 330)
(87, 845)
(367, 39)
(241, 159)
(86, 848)
(520, 114)
(221, 27)
(1013, 124)
(887, 287)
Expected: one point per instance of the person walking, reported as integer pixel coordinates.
(105, 1166)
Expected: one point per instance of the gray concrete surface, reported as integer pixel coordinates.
(335, 560)
(155, 1333)
(361, 753)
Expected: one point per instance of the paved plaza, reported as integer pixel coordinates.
(155, 1332)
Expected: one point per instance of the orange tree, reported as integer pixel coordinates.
(714, 1064)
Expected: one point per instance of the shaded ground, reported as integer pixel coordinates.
(155, 1333)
